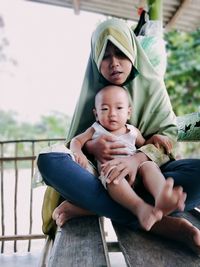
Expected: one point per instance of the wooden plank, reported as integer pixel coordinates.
(142, 249)
(79, 243)
(21, 237)
(184, 5)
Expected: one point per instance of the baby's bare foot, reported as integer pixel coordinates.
(148, 215)
(66, 211)
(171, 199)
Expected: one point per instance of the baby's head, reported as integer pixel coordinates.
(113, 92)
(112, 106)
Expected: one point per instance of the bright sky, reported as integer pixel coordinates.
(51, 46)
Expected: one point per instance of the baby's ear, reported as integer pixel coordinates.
(129, 112)
(95, 114)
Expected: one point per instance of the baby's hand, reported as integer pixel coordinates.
(81, 159)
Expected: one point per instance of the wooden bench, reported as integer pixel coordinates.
(82, 243)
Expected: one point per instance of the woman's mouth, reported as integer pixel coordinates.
(116, 74)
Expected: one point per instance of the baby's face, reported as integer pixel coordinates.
(112, 108)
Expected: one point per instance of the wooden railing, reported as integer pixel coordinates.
(15, 156)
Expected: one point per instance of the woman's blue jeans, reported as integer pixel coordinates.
(84, 189)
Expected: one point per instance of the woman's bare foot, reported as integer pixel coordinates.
(148, 215)
(171, 199)
(179, 229)
(66, 211)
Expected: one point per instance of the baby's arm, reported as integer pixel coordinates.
(161, 141)
(77, 143)
(140, 141)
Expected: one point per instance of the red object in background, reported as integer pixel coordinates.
(140, 9)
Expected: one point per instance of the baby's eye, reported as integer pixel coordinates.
(103, 109)
(119, 107)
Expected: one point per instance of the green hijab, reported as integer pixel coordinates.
(152, 111)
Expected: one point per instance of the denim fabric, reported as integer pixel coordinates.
(84, 189)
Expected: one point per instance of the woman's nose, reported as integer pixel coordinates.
(114, 61)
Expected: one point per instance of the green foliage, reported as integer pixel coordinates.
(54, 125)
(8, 124)
(183, 71)
(183, 78)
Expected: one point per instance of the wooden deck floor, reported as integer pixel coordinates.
(20, 260)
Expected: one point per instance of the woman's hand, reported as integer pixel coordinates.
(122, 167)
(105, 147)
(159, 141)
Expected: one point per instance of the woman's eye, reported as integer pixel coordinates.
(120, 54)
(103, 109)
(106, 56)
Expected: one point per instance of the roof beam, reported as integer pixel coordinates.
(182, 7)
(76, 5)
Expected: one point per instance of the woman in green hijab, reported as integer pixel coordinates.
(113, 47)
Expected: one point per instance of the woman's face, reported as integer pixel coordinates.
(115, 66)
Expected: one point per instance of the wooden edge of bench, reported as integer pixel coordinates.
(74, 237)
(104, 242)
(43, 262)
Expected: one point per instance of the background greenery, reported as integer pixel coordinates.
(183, 71)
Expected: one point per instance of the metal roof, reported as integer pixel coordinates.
(182, 15)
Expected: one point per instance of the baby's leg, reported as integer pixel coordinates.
(124, 195)
(167, 197)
